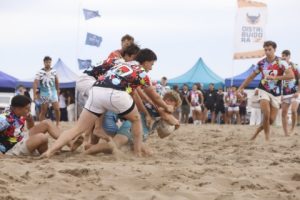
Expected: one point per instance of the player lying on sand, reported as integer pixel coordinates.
(123, 136)
(14, 140)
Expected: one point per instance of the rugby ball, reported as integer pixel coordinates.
(164, 129)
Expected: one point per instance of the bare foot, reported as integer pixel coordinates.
(147, 151)
(112, 145)
(76, 143)
(87, 146)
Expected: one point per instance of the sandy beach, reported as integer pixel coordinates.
(208, 162)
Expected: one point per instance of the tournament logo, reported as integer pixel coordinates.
(252, 19)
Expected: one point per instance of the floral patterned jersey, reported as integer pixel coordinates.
(125, 76)
(11, 130)
(291, 86)
(275, 68)
(101, 69)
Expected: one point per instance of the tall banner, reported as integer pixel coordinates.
(250, 29)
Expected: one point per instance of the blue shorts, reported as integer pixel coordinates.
(47, 97)
(109, 123)
(125, 129)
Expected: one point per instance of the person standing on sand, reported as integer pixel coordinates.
(49, 89)
(185, 106)
(291, 90)
(273, 70)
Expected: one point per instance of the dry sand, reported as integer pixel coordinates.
(209, 162)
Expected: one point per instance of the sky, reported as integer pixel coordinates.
(179, 32)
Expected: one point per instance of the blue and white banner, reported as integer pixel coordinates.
(93, 40)
(84, 64)
(88, 14)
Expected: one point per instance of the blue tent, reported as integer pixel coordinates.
(239, 79)
(65, 75)
(7, 81)
(199, 73)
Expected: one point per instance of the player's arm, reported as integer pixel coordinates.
(143, 96)
(157, 100)
(248, 80)
(29, 121)
(57, 84)
(167, 117)
(35, 86)
(288, 75)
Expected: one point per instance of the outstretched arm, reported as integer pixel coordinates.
(247, 81)
(154, 96)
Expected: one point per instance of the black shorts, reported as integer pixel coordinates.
(220, 109)
(185, 109)
(209, 107)
(243, 111)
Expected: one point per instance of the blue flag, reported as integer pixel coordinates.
(93, 40)
(88, 14)
(84, 64)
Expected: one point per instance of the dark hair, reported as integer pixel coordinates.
(185, 85)
(46, 58)
(175, 87)
(132, 49)
(164, 78)
(286, 52)
(270, 43)
(127, 37)
(199, 86)
(20, 101)
(145, 55)
(20, 86)
(212, 84)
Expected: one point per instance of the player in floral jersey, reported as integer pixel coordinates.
(13, 139)
(112, 92)
(273, 70)
(291, 90)
(126, 41)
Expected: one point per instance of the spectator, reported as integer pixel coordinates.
(162, 88)
(210, 102)
(71, 106)
(233, 105)
(185, 106)
(196, 99)
(63, 106)
(243, 106)
(220, 107)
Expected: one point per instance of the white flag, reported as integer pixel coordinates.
(250, 29)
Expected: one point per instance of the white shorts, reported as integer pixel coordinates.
(20, 149)
(275, 101)
(196, 108)
(290, 100)
(84, 83)
(107, 99)
(233, 109)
